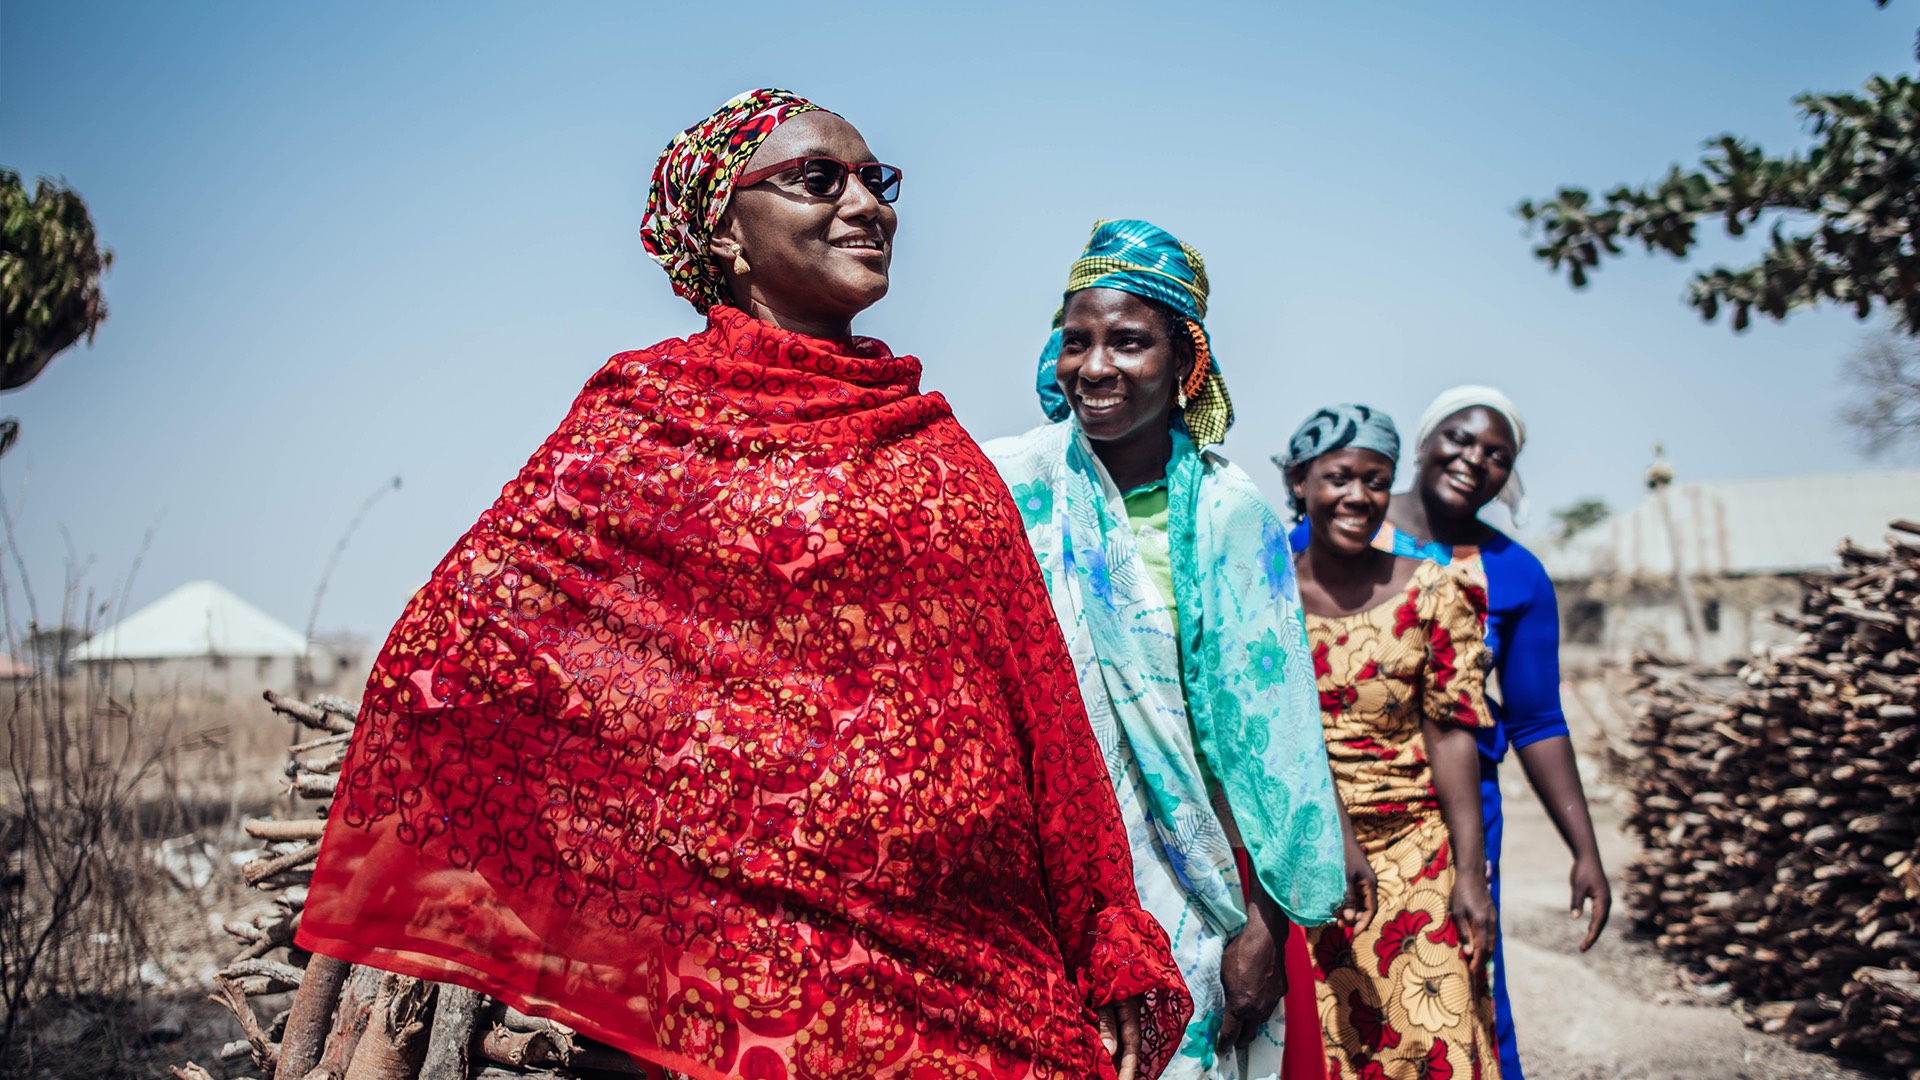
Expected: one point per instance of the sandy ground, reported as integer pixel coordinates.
(1619, 1012)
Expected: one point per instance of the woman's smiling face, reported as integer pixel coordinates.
(1345, 494)
(811, 258)
(1467, 459)
(1118, 366)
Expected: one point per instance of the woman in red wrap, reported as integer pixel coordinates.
(739, 733)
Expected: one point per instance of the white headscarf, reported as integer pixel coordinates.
(1514, 495)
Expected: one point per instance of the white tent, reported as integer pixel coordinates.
(198, 619)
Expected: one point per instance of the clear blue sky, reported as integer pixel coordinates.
(356, 240)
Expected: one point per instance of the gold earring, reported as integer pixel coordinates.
(740, 262)
(1182, 397)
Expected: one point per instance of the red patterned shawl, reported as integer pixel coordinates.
(739, 734)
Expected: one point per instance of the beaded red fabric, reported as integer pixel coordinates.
(739, 734)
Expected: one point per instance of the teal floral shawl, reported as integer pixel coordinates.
(1239, 665)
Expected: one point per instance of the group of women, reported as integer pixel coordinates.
(766, 726)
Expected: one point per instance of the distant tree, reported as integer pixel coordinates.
(1579, 517)
(1846, 213)
(50, 267)
(1883, 403)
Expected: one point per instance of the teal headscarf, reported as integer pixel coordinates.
(1141, 258)
(1339, 427)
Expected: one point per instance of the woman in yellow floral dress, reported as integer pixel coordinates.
(1401, 667)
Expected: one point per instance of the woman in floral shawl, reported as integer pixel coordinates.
(739, 732)
(1172, 579)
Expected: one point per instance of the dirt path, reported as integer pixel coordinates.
(1619, 1012)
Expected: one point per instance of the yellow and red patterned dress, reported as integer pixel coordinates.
(1399, 999)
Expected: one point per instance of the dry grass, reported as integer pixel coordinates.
(118, 820)
(121, 802)
(120, 807)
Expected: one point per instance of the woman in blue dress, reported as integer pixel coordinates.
(1466, 446)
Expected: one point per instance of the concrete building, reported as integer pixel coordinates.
(201, 640)
(1743, 543)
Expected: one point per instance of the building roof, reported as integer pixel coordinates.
(1784, 525)
(200, 618)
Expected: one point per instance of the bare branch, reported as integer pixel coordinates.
(1882, 408)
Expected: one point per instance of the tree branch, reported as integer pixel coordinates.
(1846, 214)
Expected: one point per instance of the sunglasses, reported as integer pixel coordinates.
(826, 178)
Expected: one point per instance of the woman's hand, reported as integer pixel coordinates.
(1119, 1026)
(1254, 973)
(1474, 915)
(1363, 889)
(1589, 882)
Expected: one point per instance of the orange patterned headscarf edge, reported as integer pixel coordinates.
(693, 181)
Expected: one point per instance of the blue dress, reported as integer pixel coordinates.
(1523, 633)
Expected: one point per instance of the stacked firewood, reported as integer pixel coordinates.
(309, 1017)
(1778, 814)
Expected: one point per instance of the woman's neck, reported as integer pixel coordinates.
(1138, 460)
(1337, 584)
(1411, 513)
(819, 326)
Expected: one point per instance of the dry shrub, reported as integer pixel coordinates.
(116, 809)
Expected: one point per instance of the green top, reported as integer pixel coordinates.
(1147, 513)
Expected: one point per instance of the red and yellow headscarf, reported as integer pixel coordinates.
(693, 181)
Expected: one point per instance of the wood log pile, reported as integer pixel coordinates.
(308, 1017)
(1778, 815)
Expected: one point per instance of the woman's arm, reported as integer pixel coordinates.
(1253, 969)
(1552, 772)
(1363, 885)
(1455, 760)
(1453, 706)
(1537, 728)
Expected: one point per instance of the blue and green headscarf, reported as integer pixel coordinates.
(1141, 258)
